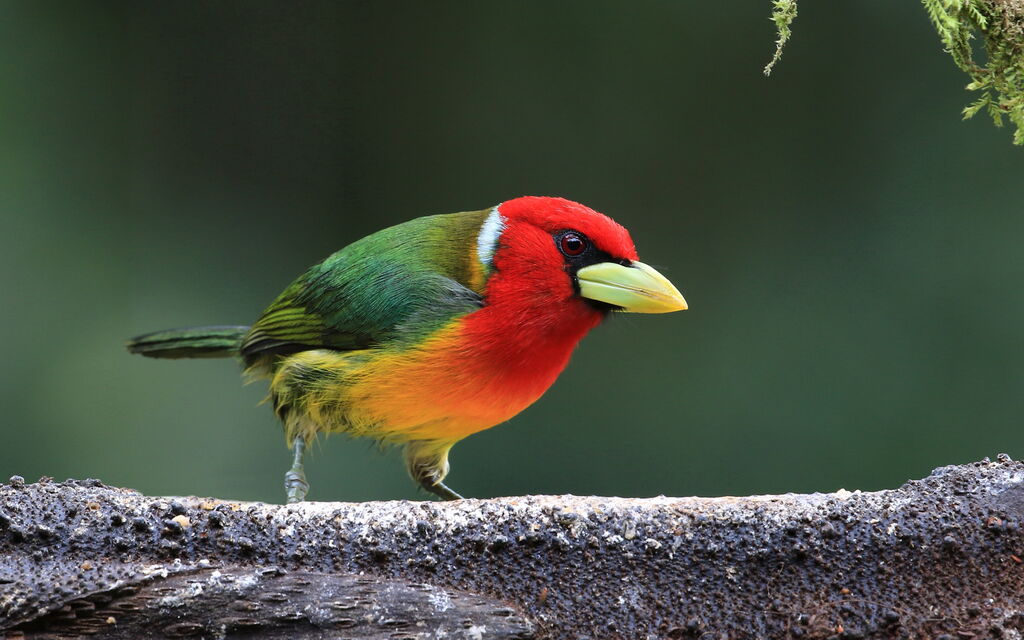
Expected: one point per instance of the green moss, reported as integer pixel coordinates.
(1001, 78)
(783, 14)
(1000, 23)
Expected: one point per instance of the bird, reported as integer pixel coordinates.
(426, 332)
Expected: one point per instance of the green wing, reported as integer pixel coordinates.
(395, 285)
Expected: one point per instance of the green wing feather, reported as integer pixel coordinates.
(394, 285)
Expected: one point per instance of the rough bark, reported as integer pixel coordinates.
(937, 557)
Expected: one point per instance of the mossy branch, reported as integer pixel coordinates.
(999, 23)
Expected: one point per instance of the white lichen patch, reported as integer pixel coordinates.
(155, 570)
(440, 600)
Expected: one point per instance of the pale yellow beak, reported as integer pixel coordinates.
(637, 288)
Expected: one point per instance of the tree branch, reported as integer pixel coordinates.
(942, 555)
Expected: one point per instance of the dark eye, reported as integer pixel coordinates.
(572, 244)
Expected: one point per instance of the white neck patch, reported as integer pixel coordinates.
(490, 233)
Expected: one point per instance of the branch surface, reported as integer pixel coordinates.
(938, 556)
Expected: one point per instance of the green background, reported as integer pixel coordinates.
(850, 249)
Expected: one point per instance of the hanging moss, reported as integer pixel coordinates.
(783, 14)
(1000, 78)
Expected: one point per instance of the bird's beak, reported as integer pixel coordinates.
(637, 288)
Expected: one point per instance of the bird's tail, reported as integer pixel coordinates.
(193, 342)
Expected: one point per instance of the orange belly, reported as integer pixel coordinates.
(447, 387)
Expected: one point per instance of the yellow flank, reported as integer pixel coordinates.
(438, 389)
(475, 270)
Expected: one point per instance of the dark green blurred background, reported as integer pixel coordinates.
(850, 249)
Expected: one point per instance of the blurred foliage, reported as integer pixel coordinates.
(851, 255)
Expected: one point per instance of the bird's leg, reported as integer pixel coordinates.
(295, 480)
(442, 490)
(427, 463)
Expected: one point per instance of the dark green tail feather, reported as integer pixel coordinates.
(192, 342)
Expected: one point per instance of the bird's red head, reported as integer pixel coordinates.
(555, 269)
(559, 264)
(536, 245)
(538, 219)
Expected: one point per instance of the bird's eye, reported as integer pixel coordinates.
(572, 244)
